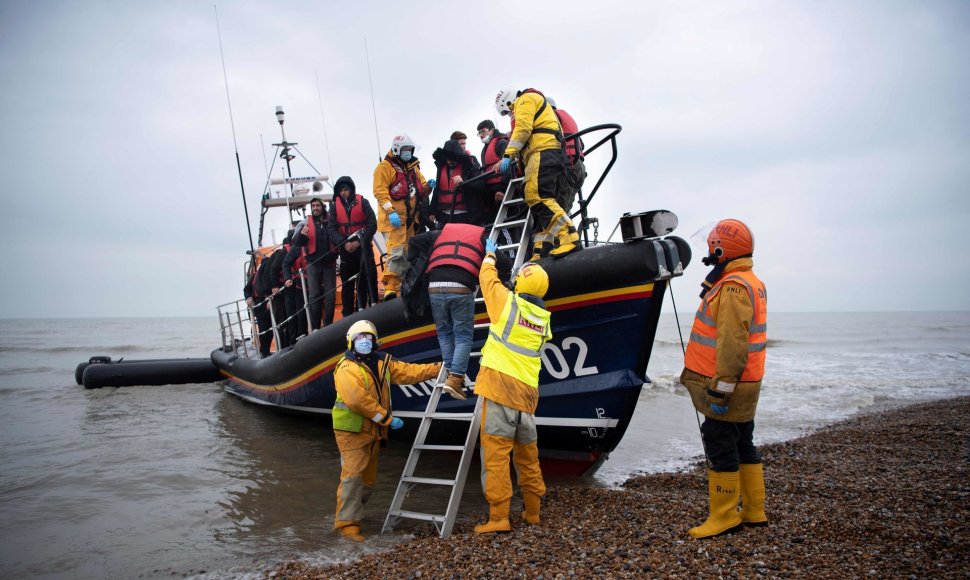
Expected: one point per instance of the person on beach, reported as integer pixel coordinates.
(508, 381)
(362, 417)
(399, 188)
(537, 139)
(723, 368)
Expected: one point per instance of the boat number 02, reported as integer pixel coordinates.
(559, 369)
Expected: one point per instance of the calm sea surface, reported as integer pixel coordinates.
(147, 482)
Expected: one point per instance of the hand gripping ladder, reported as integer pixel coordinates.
(503, 228)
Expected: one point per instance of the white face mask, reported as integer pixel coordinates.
(405, 155)
(486, 139)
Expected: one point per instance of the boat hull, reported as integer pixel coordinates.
(605, 303)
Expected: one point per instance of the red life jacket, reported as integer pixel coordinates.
(491, 159)
(298, 264)
(401, 187)
(569, 127)
(350, 221)
(458, 245)
(311, 247)
(446, 188)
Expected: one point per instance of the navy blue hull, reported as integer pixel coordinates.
(605, 303)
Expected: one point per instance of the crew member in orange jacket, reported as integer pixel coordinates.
(362, 415)
(724, 365)
(399, 187)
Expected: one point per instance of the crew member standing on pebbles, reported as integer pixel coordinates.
(508, 380)
(362, 416)
(723, 368)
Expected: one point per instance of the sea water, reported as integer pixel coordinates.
(145, 482)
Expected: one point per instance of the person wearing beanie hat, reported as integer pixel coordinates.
(453, 202)
(351, 214)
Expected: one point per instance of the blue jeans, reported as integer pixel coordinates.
(454, 318)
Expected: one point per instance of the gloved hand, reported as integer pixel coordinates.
(505, 166)
(432, 183)
(396, 423)
(490, 246)
(719, 409)
(395, 219)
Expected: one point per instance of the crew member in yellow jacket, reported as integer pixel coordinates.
(508, 380)
(362, 416)
(537, 139)
(399, 187)
(723, 368)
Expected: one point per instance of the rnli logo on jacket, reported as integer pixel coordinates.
(523, 321)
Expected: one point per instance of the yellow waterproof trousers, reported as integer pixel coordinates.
(358, 474)
(396, 240)
(543, 170)
(506, 432)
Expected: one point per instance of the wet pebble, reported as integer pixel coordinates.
(881, 495)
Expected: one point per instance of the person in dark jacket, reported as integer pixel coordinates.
(272, 280)
(321, 257)
(493, 147)
(293, 299)
(452, 202)
(255, 296)
(351, 214)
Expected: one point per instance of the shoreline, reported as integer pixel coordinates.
(884, 493)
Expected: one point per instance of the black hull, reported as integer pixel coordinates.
(96, 374)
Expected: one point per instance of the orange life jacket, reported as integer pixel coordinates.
(701, 356)
(458, 245)
(311, 246)
(446, 189)
(351, 221)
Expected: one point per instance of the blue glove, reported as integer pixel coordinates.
(432, 183)
(395, 219)
(396, 423)
(490, 246)
(719, 409)
(505, 166)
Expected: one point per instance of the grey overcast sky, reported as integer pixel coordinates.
(839, 131)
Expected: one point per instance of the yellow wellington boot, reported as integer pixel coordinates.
(723, 489)
(352, 533)
(498, 519)
(532, 503)
(568, 243)
(753, 495)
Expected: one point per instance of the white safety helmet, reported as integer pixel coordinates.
(361, 327)
(504, 100)
(400, 142)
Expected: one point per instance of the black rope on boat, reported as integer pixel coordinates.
(683, 350)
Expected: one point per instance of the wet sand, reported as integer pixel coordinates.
(886, 494)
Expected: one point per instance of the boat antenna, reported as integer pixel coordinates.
(372, 104)
(323, 120)
(262, 145)
(232, 124)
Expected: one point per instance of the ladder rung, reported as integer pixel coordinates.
(510, 224)
(440, 447)
(418, 516)
(475, 354)
(513, 201)
(482, 325)
(428, 480)
(508, 246)
(452, 416)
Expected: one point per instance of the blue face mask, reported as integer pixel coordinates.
(363, 345)
(405, 155)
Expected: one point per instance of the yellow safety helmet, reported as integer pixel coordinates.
(532, 279)
(361, 327)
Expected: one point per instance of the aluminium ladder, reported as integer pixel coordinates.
(445, 522)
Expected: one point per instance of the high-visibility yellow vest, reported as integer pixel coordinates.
(701, 355)
(345, 419)
(515, 339)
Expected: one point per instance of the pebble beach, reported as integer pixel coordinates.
(885, 494)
